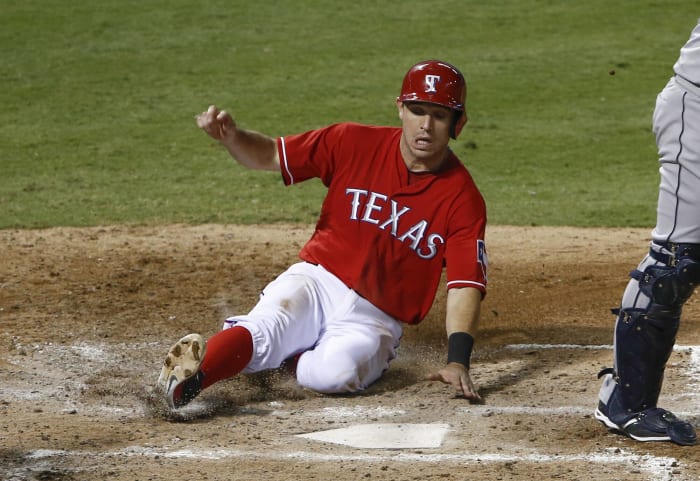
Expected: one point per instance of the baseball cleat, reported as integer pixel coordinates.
(653, 424)
(180, 378)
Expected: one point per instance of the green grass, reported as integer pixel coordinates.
(98, 100)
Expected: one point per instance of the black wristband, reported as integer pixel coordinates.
(459, 348)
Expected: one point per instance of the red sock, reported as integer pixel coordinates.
(228, 352)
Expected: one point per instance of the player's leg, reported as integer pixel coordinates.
(193, 364)
(288, 317)
(355, 349)
(676, 125)
(650, 311)
(645, 333)
(286, 320)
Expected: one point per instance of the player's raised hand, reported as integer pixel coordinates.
(217, 123)
(458, 377)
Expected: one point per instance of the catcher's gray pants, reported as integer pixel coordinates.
(652, 303)
(676, 124)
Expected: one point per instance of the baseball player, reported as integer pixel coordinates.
(650, 311)
(400, 206)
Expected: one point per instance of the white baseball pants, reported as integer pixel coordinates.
(345, 342)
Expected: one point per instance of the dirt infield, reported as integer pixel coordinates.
(86, 316)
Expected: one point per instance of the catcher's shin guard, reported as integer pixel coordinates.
(645, 336)
(644, 339)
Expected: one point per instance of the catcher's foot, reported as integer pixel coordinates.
(180, 378)
(651, 424)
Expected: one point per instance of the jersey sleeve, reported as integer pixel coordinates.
(309, 155)
(465, 253)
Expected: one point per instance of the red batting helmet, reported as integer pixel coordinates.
(438, 83)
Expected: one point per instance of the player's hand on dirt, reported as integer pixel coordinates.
(217, 123)
(458, 377)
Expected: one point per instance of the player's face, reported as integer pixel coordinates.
(426, 133)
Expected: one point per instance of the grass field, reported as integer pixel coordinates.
(98, 100)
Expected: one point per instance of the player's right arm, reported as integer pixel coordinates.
(462, 317)
(251, 149)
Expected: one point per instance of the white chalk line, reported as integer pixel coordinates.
(660, 467)
(532, 410)
(583, 347)
(590, 347)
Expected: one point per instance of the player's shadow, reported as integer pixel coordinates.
(244, 395)
(529, 355)
(532, 367)
(505, 381)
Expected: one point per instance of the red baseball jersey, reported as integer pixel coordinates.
(385, 232)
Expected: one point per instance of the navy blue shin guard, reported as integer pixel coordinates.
(644, 340)
(646, 333)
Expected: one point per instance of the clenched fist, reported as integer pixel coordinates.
(217, 123)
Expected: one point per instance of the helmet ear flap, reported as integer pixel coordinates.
(458, 123)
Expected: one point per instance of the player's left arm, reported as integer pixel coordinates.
(461, 323)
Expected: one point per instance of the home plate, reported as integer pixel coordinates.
(384, 436)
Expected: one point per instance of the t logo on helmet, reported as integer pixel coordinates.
(430, 81)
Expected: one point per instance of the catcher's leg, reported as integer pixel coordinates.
(645, 333)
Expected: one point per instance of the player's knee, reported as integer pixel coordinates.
(340, 376)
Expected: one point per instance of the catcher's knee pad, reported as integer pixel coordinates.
(672, 282)
(669, 285)
(644, 339)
